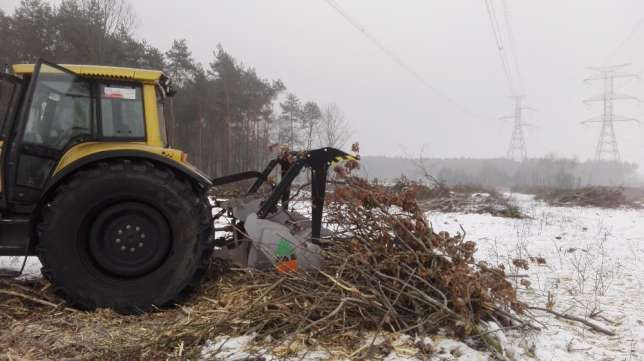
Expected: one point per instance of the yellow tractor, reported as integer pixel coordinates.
(117, 218)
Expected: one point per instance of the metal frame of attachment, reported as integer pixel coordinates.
(318, 160)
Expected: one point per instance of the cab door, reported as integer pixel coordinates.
(10, 92)
(56, 114)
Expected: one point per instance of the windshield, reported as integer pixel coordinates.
(60, 111)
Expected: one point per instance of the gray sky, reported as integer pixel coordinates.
(321, 57)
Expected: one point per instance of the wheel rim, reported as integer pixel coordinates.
(129, 239)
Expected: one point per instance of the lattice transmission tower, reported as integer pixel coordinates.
(607, 148)
(517, 149)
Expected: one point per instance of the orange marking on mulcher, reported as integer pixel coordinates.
(288, 266)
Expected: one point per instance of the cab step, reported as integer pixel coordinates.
(14, 237)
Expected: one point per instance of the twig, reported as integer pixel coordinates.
(34, 299)
(593, 326)
(333, 313)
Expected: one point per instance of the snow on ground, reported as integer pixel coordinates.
(404, 348)
(32, 267)
(594, 266)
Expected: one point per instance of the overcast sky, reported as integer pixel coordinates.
(449, 43)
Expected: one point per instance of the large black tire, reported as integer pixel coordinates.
(129, 235)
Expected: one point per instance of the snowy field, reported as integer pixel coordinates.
(594, 269)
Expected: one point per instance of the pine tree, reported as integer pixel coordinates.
(290, 119)
(31, 25)
(311, 116)
(180, 65)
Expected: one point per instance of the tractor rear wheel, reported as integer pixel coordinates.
(128, 235)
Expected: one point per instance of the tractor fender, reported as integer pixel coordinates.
(199, 179)
(181, 168)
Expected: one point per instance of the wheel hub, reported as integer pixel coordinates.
(129, 239)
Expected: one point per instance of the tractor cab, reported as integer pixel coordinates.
(56, 119)
(49, 109)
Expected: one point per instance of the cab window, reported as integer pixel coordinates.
(121, 111)
(60, 111)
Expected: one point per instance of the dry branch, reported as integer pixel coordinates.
(595, 196)
(593, 326)
(460, 198)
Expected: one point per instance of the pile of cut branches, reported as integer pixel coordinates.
(460, 198)
(384, 270)
(595, 196)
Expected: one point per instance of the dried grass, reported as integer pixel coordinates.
(595, 196)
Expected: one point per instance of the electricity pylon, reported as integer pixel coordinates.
(607, 148)
(517, 149)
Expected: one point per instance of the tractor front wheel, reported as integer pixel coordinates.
(128, 235)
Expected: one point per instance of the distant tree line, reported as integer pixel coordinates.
(224, 113)
(546, 172)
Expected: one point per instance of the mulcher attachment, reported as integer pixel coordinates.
(265, 234)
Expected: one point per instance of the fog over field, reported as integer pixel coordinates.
(450, 45)
(322, 180)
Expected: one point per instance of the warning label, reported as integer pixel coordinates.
(119, 93)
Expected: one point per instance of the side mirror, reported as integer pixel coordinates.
(168, 87)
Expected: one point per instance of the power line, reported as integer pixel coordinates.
(513, 46)
(517, 149)
(496, 31)
(628, 37)
(396, 59)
